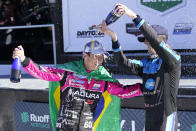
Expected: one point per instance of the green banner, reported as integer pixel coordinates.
(161, 5)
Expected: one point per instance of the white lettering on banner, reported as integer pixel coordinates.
(122, 123)
(36, 118)
(178, 127)
(40, 125)
(131, 93)
(133, 125)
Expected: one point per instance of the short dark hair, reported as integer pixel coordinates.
(88, 53)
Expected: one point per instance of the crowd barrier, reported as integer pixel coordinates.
(8, 99)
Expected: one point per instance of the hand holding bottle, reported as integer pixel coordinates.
(18, 56)
(123, 9)
(104, 29)
(112, 17)
(19, 52)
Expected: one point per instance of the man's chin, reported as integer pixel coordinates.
(96, 68)
(152, 52)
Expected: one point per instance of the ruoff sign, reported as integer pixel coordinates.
(31, 117)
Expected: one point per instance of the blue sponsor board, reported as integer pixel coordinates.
(134, 119)
(183, 28)
(31, 117)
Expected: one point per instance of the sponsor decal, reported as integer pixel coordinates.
(35, 120)
(67, 122)
(89, 34)
(78, 81)
(33, 73)
(79, 76)
(88, 113)
(193, 127)
(89, 102)
(153, 105)
(25, 117)
(183, 28)
(67, 117)
(89, 117)
(86, 94)
(129, 94)
(151, 93)
(96, 86)
(74, 116)
(78, 94)
(70, 95)
(88, 124)
(150, 84)
(77, 85)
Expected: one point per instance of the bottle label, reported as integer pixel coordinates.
(16, 70)
(15, 75)
(111, 18)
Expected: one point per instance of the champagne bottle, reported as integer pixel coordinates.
(16, 70)
(111, 18)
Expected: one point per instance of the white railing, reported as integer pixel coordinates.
(5, 69)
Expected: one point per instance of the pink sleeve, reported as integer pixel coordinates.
(127, 91)
(44, 73)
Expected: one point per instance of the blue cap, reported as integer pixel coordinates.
(94, 47)
(158, 28)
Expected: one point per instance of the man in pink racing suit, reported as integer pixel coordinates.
(85, 91)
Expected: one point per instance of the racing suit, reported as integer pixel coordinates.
(160, 77)
(83, 102)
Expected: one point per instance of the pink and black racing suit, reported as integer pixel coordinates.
(80, 98)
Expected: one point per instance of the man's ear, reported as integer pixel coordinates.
(84, 55)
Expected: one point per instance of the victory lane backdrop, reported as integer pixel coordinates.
(178, 16)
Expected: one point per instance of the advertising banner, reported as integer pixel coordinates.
(134, 120)
(31, 117)
(178, 16)
(35, 116)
